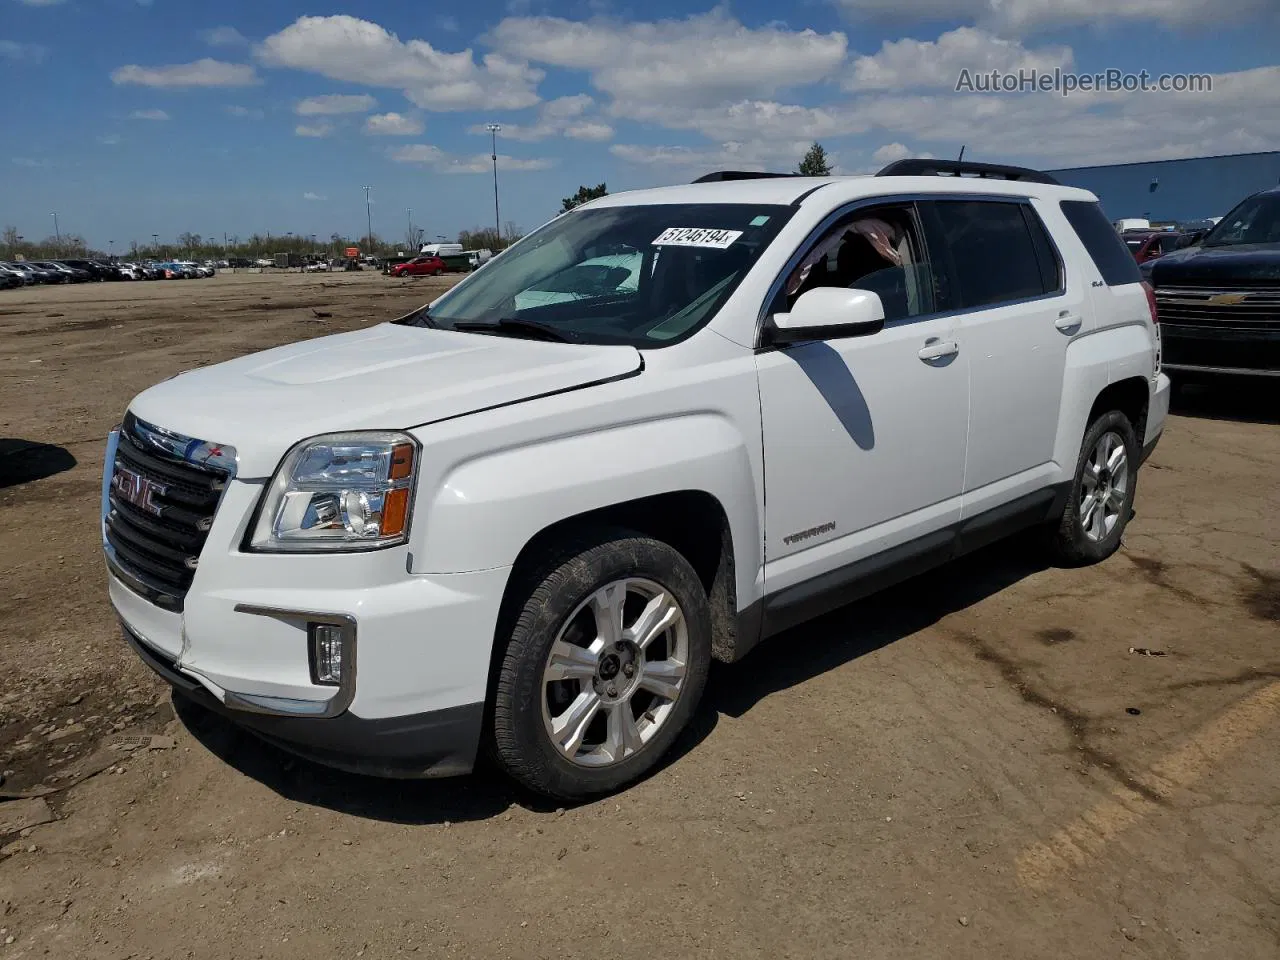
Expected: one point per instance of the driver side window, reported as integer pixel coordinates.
(877, 249)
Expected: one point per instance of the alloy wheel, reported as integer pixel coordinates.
(614, 673)
(1104, 486)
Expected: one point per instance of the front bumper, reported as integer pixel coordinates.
(437, 743)
(415, 662)
(1221, 351)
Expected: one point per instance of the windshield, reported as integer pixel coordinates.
(643, 275)
(1256, 220)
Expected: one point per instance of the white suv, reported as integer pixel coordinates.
(529, 529)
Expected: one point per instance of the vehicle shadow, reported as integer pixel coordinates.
(22, 461)
(781, 662)
(829, 373)
(1238, 399)
(480, 796)
(844, 635)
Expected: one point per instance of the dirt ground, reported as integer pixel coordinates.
(996, 760)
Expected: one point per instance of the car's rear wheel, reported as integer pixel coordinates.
(606, 663)
(1100, 500)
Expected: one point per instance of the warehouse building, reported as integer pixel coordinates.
(1181, 190)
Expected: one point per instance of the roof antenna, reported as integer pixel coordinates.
(961, 157)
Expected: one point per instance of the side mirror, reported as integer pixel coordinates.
(828, 313)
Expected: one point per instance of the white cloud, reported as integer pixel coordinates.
(22, 52)
(915, 64)
(358, 51)
(313, 130)
(236, 110)
(224, 37)
(428, 155)
(730, 155)
(566, 117)
(29, 162)
(393, 125)
(589, 130)
(1041, 129)
(448, 23)
(335, 103)
(891, 152)
(700, 60)
(313, 196)
(148, 115)
(1031, 14)
(41, 3)
(202, 73)
(1053, 131)
(109, 139)
(755, 120)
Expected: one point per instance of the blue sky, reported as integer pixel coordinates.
(131, 118)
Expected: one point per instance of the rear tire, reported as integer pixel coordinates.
(1100, 501)
(606, 663)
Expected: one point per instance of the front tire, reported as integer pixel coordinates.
(606, 663)
(1100, 501)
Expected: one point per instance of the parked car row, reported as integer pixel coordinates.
(18, 273)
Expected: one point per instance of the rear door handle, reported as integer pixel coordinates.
(1068, 322)
(935, 349)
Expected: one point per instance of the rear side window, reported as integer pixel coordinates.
(1046, 255)
(1106, 249)
(994, 253)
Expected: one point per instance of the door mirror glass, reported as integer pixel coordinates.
(826, 313)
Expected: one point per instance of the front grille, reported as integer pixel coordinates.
(159, 511)
(1239, 309)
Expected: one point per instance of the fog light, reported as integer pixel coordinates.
(328, 650)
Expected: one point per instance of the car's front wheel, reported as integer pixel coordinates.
(605, 665)
(1100, 500)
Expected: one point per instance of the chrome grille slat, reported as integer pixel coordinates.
(154, 540)
(1249, 308)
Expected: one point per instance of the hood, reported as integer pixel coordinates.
(387, 377)
(1245, 264)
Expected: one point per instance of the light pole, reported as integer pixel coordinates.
(111, 249)
(410, 234)
(57, 234)
(493, 129)
(155, 244)
(368, 218)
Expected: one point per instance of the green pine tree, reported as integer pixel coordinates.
(815, 162)
(582, 196)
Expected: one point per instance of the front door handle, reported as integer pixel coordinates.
(935, 349)
(1068, 322)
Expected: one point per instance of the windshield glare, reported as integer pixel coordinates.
(644, 275)
(1256, 220)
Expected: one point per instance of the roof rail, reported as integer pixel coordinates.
(959, 168)
(721, 175)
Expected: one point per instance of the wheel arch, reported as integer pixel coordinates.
(693, 522)
(1104, 371)
(1132, 397)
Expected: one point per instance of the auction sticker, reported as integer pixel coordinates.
(696, 237)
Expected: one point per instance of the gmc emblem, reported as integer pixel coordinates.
(137, 489)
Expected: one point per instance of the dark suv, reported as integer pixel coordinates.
(1219, 301)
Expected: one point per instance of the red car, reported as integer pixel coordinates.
(419, 267)
(1148, 245)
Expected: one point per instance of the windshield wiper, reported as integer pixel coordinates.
(514, 326)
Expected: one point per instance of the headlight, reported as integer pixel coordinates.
(342, 491)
